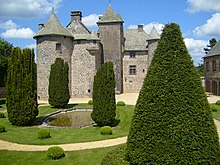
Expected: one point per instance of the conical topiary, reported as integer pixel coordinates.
(172, 123)
(59, 84)
(104, 105)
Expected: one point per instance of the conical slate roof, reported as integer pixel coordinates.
(109, 16)
(215, 50)
(154, 34)
(53, 27)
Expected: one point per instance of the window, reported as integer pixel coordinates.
(132, 54)
(213, 65)
(132, 69)
(58, 47)
(207, 66)
(78, 42)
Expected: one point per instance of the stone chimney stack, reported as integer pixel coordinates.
(140, 28)
(76, 16)
(40, 26)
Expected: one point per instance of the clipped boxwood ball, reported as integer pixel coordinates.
(55, 152)
(218, 102)
(2, 128)
(120, 103)
(2, 115)
(43, 134)
(106, 130)
(214, 108)
(90, 102)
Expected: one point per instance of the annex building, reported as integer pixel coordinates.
(130, 51)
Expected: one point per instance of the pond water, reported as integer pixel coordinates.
(76, 118)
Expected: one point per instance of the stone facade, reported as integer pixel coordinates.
(130, 51)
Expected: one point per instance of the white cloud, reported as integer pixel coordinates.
(27, 8)
(90, 20)
(210, 28)
(196, 48)
(31, 46)
(203, 5)
(25, 33)
(8, 25)
(148, 27)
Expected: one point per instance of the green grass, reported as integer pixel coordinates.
(84, 157)
(28, 135)
(216, 115)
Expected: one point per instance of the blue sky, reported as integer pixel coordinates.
(199, 19)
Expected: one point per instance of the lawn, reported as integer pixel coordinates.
(28, 135)
(84, 157)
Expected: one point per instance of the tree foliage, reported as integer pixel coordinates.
(21, 95)
(58, 84)
(104, 105)
(212, 43)
(172, 122)
(5, 52)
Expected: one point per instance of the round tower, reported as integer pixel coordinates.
(53, 41)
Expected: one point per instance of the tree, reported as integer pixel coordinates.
(59, 84)
(21, 95)
(172, 122)
(104, 105)
(212, 43)
(5, 52)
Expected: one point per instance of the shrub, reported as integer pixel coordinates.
(115, 157)
(90, 102)
(55, 152)
(43, 134)
(21, 88)
(106, 130)
(2, 128)
(214, 108)
(218, 102)
(103, 96)
(172, 121)
(2, 115)
(120, 103)
(59, 84)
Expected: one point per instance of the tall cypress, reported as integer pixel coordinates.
(21, 88)
(104, 95)
(59, 84)
(172, 123)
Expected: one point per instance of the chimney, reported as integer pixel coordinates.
(140, 28)
(76, 16)
(40, 26)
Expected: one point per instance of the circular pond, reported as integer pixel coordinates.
(75, 118)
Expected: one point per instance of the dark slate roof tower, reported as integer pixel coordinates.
(112, 39)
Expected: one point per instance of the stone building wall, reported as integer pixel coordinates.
(111, 36)
(84, 65)
(152, 46)
(133, 83)
(46, 55)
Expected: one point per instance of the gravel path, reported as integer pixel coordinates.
(129, 98)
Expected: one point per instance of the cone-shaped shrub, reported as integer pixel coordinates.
(58, 84)
(104, 105)
(21, 86)
(172, 123)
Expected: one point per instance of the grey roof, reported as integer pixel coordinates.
(109, 16)
(154, 34)
(53, 27)
(215, 50)
(81, 32)
(135, 39)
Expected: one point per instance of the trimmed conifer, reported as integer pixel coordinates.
(172, 123)
(21, 88)
(59, 84)
(104, 105)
